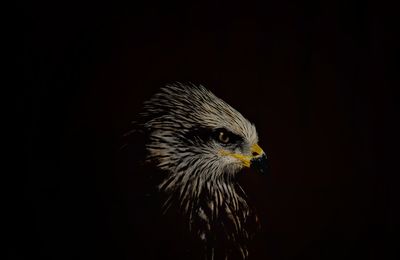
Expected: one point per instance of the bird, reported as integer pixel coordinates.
(200, 143)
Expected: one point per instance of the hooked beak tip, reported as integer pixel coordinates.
(259, 163)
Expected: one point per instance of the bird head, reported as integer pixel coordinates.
(194, 134)
(201, 143)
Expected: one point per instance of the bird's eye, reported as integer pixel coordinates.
(223, 137)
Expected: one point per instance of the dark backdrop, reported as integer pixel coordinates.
(314, 78)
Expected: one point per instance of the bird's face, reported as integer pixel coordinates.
(194, 131)
(236, 151)
(227, 150)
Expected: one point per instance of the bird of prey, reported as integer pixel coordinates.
(200, 143)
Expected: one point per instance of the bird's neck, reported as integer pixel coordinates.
(216, 211)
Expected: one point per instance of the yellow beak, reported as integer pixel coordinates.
(256, 152)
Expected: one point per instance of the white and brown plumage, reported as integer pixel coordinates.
(201, 143)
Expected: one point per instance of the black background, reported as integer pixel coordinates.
(314, 78)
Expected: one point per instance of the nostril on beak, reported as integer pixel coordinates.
(256, 151)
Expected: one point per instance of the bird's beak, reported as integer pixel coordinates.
(259, 160)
